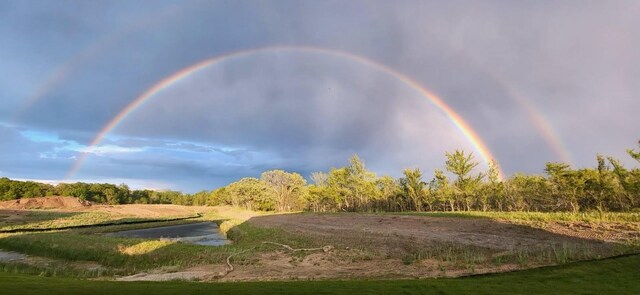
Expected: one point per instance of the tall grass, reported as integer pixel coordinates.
(57, 269)
(542, 216)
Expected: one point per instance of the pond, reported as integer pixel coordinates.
(202, 233)
(10, 256)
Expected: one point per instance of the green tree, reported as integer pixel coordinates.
(288, 188)
(141, 197)
(442, 190)
(390, 195)
(634, 154)
(361, 184)
(603, 186)
(493, 190)
(566, 185)
(462, 165)
(218, 196)
(528, 192)
(338, 189)
(250, 193)
(414, 187)
(630, 182)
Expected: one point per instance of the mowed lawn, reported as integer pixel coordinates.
(619, 275)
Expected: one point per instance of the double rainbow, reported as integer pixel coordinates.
(455, 118)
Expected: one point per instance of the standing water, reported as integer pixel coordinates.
(202, 233)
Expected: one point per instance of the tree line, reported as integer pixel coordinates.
(103, 193)
(459, 186)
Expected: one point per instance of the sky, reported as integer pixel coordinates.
(193, 95)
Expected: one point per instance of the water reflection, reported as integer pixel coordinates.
(203, 233)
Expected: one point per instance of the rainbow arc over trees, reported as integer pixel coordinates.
(475, 140)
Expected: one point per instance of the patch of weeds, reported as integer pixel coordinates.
(54, 270)
(471, 268)
(561, 254)
(540, 217)
(408, 259)
(522, 256)
(498, 260)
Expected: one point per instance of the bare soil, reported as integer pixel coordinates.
(54, 202)
(485, 233)
(280, 265)
(608, 232)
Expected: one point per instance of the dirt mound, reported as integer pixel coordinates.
(45, 203)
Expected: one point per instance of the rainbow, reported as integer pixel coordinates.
(537, 118)
(90, 52)
(457, 120)
(542, 124)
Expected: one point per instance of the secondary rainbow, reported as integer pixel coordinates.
(544, 127)
(457, 120)
(92, 51)
(537, 118)
(535, 115)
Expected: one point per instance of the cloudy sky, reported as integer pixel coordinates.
(310, 84)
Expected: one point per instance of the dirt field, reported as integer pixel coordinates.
(476, 232)
(375, 246)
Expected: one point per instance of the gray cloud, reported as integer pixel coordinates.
(576, 61)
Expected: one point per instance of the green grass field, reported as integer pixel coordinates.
(610, 276)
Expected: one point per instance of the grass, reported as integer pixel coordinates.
(460, 256)
(111, 252)
(125, 256)
(541, 216)
(611, 276)
(128, 256)
(55, 269)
